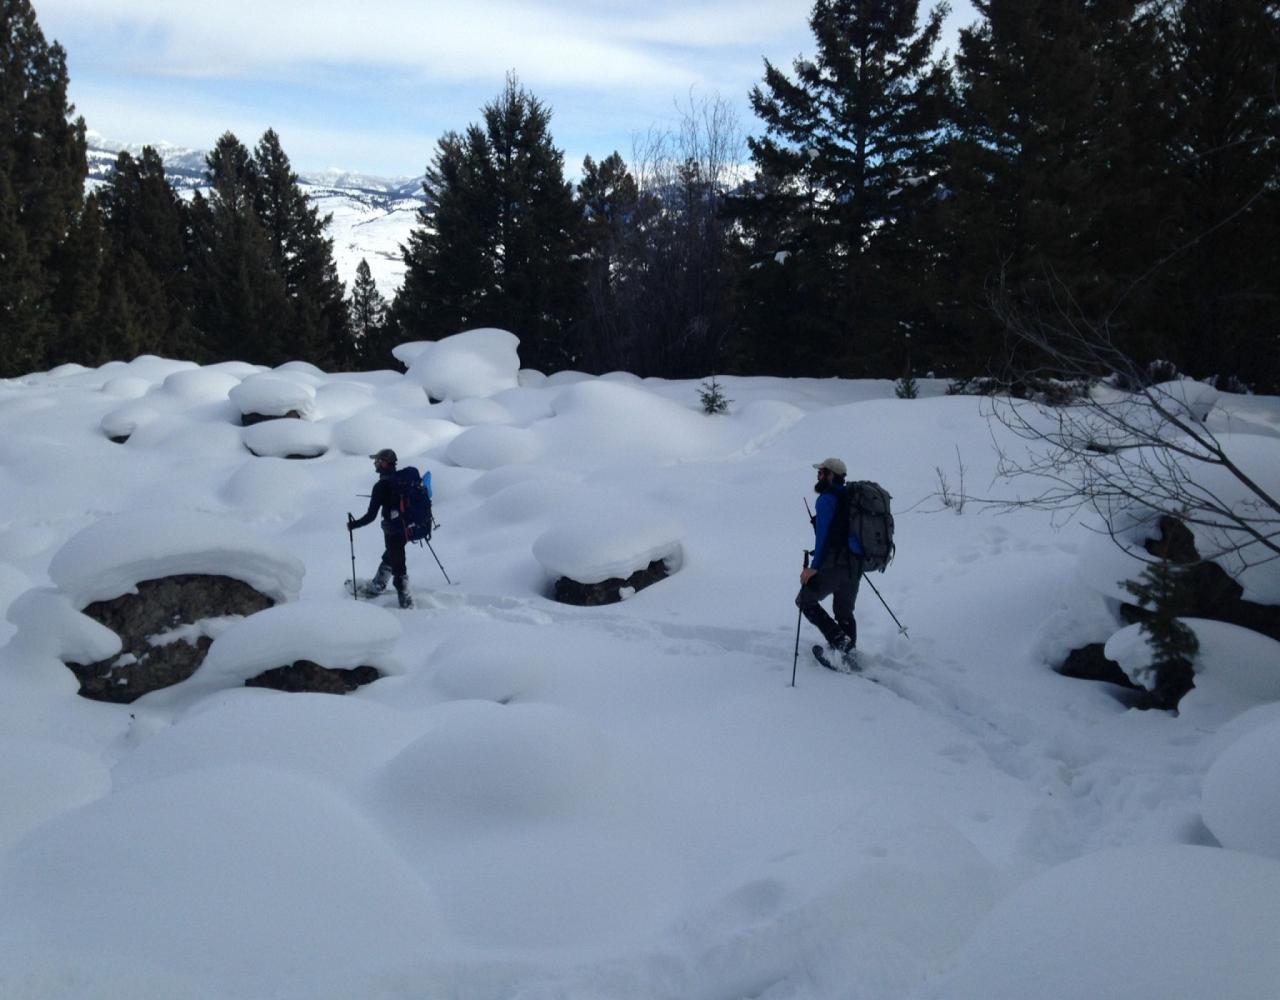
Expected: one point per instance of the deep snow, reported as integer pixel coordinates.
(542, 801)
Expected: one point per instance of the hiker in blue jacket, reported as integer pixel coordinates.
(386, 497)
(836, 568)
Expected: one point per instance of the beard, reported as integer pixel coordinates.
(822, 486)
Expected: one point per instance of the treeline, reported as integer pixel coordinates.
(1106, 164)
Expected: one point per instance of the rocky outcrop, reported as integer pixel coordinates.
(305, 675)
(164, 632)
(609, 591)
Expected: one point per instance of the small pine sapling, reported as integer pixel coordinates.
(1164, 588)
(713, 398)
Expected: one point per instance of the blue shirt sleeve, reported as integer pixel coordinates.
(824, 513)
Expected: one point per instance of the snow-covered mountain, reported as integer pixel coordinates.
(370, 216)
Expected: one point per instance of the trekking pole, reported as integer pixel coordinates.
(438, 562)
(902, 629)
(796, 659)
(351, 536)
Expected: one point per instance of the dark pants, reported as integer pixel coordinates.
(838, 580)
(393, 554)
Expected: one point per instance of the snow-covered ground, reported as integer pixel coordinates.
(631, 802)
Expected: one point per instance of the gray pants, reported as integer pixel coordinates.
(838, 579)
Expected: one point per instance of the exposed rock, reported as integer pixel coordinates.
(305, 675)
(169, 610)
(609, 591)
(1213, 594)
(249, 419)
(1090, 663)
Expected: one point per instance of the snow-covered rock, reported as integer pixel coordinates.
(274, 395)
(474, 363)
(287, 438)
(113, 554)
(597, 547)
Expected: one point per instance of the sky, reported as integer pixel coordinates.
(371, 87)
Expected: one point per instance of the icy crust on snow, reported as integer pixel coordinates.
(597, 548)
(473, 363)
(1158, 921)
(274, 395)
(112, 555)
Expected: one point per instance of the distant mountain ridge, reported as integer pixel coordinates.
(371, 216)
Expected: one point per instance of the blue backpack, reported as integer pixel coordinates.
(415, 503)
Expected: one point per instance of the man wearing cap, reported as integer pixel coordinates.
(386, 497)
(836, 568)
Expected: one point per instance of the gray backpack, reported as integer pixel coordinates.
(871, 521)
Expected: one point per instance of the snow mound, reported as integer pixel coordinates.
(626, 423)
(488, 766)
(219, 875)
(48, 624)
(474, 363)
(1140, 923)
(274, 396)
(1241, 793)
(369, 431)
(287, 438)
(591, 550)
(123, 421)
(114, 554)
(333, 633)
(469, 412)
(491, 446)
(126, 387)
(339, 400)
(200, 386)
(327, 738)
(269, 484)
(41, 779)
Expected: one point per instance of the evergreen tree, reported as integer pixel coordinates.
(302, 255)
(1050, 177)
(77, 270)
(147, 293)
(42, 173)
(609, 204)
(849, 162)
(1216, 301)
(1164, 587)
(495, 243)
(242, 309)
(367, 311)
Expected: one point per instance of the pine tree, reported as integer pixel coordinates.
(1048, 167)
(609, 204)
(1216, 300)
(42, 173)
(77, 270)
(849, 161)
(302, 255)
(242, 308)
(1164, 588)
(495, 243)
(147, 282)
(367, 312)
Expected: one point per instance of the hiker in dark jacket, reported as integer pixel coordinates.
(836, 568)
(386, 498)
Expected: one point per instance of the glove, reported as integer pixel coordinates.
(351, 523)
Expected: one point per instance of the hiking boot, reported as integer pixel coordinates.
(374, 587)
(403, 593)
(848, 653)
